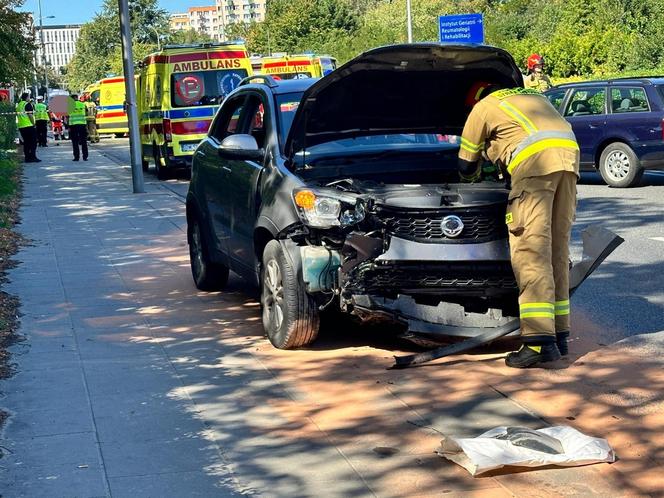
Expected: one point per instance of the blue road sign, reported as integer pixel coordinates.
(462, 28)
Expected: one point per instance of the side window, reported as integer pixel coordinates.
(586, 102)
(556, 98)
(629, 99)
(228, 119)
(257, 109)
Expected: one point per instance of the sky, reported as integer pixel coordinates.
(81, 11)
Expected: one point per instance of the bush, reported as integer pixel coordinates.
(7, 126)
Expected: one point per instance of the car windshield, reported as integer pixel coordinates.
(204, 87)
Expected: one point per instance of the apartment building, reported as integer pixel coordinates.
(59, 44)
(214, 20)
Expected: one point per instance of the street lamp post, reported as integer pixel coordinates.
(158, 37)
(43, 47)
(409, 22)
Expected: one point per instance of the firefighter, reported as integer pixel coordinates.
(26, 127)
(91, 119)
(520, 131)
(77, 128)
(536, 78)
(41, 121)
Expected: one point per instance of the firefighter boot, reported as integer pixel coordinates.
(531, 355)
(561, 342)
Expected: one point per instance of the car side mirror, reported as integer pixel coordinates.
(241, 146)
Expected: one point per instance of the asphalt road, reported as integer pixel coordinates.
(625, 296)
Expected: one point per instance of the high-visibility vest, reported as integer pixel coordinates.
(77, 115)
(22, 116)
(41, 113)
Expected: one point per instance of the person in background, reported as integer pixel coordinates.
(77, 128)
(41, 121)
(537, 79)
(91, 119)
(26, 127)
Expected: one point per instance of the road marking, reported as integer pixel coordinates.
(658, 239)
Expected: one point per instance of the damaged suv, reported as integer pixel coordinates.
(343, 192)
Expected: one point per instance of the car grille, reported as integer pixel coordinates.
(456, 278)
(480, 225)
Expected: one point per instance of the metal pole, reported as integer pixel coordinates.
(158, 38)
(130, 102)
(409, 21)
(43, 51)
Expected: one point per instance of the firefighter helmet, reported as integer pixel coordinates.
(477, 91)
(535, 60)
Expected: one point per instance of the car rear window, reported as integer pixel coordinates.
(661, 91)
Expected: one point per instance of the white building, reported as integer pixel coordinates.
(239, 11)
(200, 19)
(213, 20)
(59, 44)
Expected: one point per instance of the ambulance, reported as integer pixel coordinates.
(109, 96)
(287, 67)
(179, 91)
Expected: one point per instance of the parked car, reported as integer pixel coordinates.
(343, 192)
(618, 124)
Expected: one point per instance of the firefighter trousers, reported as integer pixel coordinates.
(539, 218)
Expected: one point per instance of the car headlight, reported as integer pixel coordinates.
(323, 210)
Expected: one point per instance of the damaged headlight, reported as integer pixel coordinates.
(326, 210)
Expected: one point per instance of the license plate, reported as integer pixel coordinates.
(188, 147)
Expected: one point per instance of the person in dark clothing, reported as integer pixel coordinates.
(78, 132)
(26, 127)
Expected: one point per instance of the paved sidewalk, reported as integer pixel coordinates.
(132, 383)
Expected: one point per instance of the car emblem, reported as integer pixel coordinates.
(452, 226)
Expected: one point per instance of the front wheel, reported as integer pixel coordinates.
(619, 166)
(208, 276)
(290, 315)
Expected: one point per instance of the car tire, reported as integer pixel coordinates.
(208, 276)
(619, 166)
(119, 135)
(145, 164)
(162, 171)
(290, 315)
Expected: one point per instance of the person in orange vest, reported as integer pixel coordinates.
(521, 132)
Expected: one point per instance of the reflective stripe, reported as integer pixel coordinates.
(536, 310)
(519, 117)
(542, 135)
(562, 307)
(537, 314)
(508, 92)
(470, 146)
(539, 146)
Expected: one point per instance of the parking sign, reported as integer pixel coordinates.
(461, 28)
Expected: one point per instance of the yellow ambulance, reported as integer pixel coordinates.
(109, 96)
(287, 67)
(179, 91)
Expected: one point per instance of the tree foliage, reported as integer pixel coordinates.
(98, 50)
(16, 43)
(577, 37)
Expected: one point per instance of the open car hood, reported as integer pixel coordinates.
(414, 88)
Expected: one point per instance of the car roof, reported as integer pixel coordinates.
(635, 80)
(278, 86)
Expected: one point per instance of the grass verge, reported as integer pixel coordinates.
(10, 193)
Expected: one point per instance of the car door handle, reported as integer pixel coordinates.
(226, 168)
(592, 126)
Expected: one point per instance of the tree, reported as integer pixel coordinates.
(98, 50)
(16, 42)
(187, 37)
